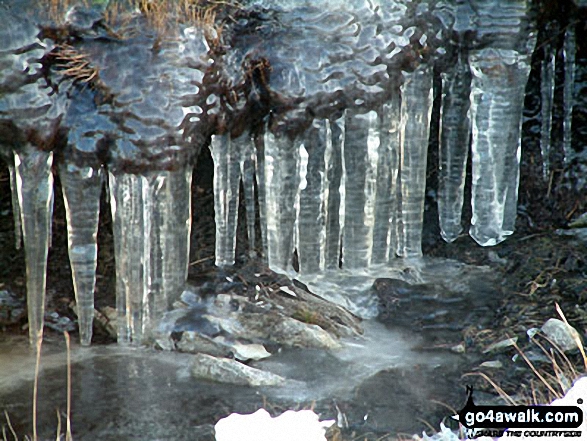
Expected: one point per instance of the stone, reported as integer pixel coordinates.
(253, 351)
(224, 370)
(12, 308)
(561, 334)
(501, 345)
(194, 343)
(276, 328)
(107, 317)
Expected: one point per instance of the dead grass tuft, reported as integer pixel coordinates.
(35, 437)
(550, 382)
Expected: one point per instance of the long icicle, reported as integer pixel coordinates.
(416, 110)
(281, 164)
(82, 187)
(547, 73)
(313, 199)
(455, 136)
(384, 231)
(226, 156)
(360, 162)
(570, 48)
(15, 206)
(34, 183)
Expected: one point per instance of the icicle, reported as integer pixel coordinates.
(34, 184)
(259, 142)
(454, 147)
(547, 95)
(416, 108)
(151, 224)
(281, 189)
(569, 86)
(360, 155)
(335, 203)
(172, 228)
(15, 206)
(497, 100)
(384, 231)
(226, 156)
(313, 198)
(248, 165)
(81, 192)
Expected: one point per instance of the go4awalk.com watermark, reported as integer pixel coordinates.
(526, 422)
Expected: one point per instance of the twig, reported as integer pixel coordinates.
(575, 336)
(68, 436)
(540, 377)
(12, 431)
(36, 383)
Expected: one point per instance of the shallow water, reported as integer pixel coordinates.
(137, 393)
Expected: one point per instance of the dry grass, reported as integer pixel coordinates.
(9, 429)
(548, 384)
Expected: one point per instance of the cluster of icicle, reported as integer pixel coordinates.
(323, 114)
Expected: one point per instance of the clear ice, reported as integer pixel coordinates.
(455, 135)
(34, 184)
(82, 186)
(151, 225)
(324, 123)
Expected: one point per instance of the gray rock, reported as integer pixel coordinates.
(224, 370)
(194, 343)
(501, 345)
(277, 328)
(561, 334)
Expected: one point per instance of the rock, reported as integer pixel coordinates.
(561, 334)
(493, 364)
(195, 343)
(12, 308)
(224, 370)
(276, 328)
(291, 332)
(458, 349)
(106, 317)
(501, 345)
(253, 351)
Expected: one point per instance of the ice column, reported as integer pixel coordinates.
(569, 87)
(455, 134)
(82, 186)
(497, 100)
(248, 164)
(547, 95)
(313, 198)
(384, 230)
(259, 143)
(226, 155)
(416, 108)
(281, 164)
(15, 205)
(360, 154)
(34, 184)
(334, 180)
(151, 223)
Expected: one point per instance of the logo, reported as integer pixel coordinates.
(528, 421)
